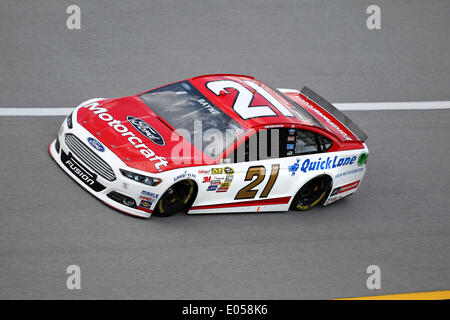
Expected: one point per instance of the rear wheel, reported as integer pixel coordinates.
(312, 193)
(177, 198)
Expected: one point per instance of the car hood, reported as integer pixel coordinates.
(133, 132)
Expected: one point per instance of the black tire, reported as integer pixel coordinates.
(312, 193)
(178, 197)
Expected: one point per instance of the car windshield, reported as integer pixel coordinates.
(199, 121)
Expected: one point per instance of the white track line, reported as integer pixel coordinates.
(35, 111)
(414, 105)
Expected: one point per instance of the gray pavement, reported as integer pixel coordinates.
(127, 47)
(398, 220)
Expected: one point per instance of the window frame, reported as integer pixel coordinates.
(320, 142)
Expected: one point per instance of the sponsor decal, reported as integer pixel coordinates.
(150, 194)
(327, 120)
(290, 146)
(220, 183)
(222, 188)
(290, 138)
(292, 131)
(81, 172)
(147, 130)
(184, 175)
(335, 198)
(96, 144)
(204, 171)
(326, 164)
(331, 200)
(289, 153)
(125, 132)
(349, 186)
(212, 188)
(336, 194)
(216, 181)
(206, 179)
(147, 199)
(335, 191)
(362, 159)
(349, 172)
(145, 204)
(228, 170)
(294, 167)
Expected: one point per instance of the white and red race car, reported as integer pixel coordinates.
(213, 143)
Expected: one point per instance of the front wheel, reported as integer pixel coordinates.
(312, 193)
(177, 198)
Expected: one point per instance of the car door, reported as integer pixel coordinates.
(257, 167)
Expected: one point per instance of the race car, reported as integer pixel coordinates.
(216, 143)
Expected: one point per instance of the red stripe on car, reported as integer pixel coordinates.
(274, 201)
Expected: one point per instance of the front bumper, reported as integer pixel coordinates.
(103, 189)
(101, 194)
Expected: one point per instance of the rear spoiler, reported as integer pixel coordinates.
(328, 107)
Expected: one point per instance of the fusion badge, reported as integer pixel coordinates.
(87, 177)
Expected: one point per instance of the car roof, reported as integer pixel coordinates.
(228, 100)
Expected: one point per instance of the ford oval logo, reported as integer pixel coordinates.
(147, 130)
(96, 144)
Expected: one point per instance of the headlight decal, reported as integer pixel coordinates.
(150, 181)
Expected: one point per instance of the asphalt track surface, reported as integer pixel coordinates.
(398, 220)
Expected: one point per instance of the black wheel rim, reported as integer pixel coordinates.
(311, 192)
(174, 199)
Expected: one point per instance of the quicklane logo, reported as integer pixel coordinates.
(147, 130)
(328, 163)
(294, 167)
(362, 159)
(96, 144)
(319, 164)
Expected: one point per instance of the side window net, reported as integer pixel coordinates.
(325, 143)
(306, 143)
(302, 142)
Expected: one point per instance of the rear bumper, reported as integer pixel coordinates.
(348, 181)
